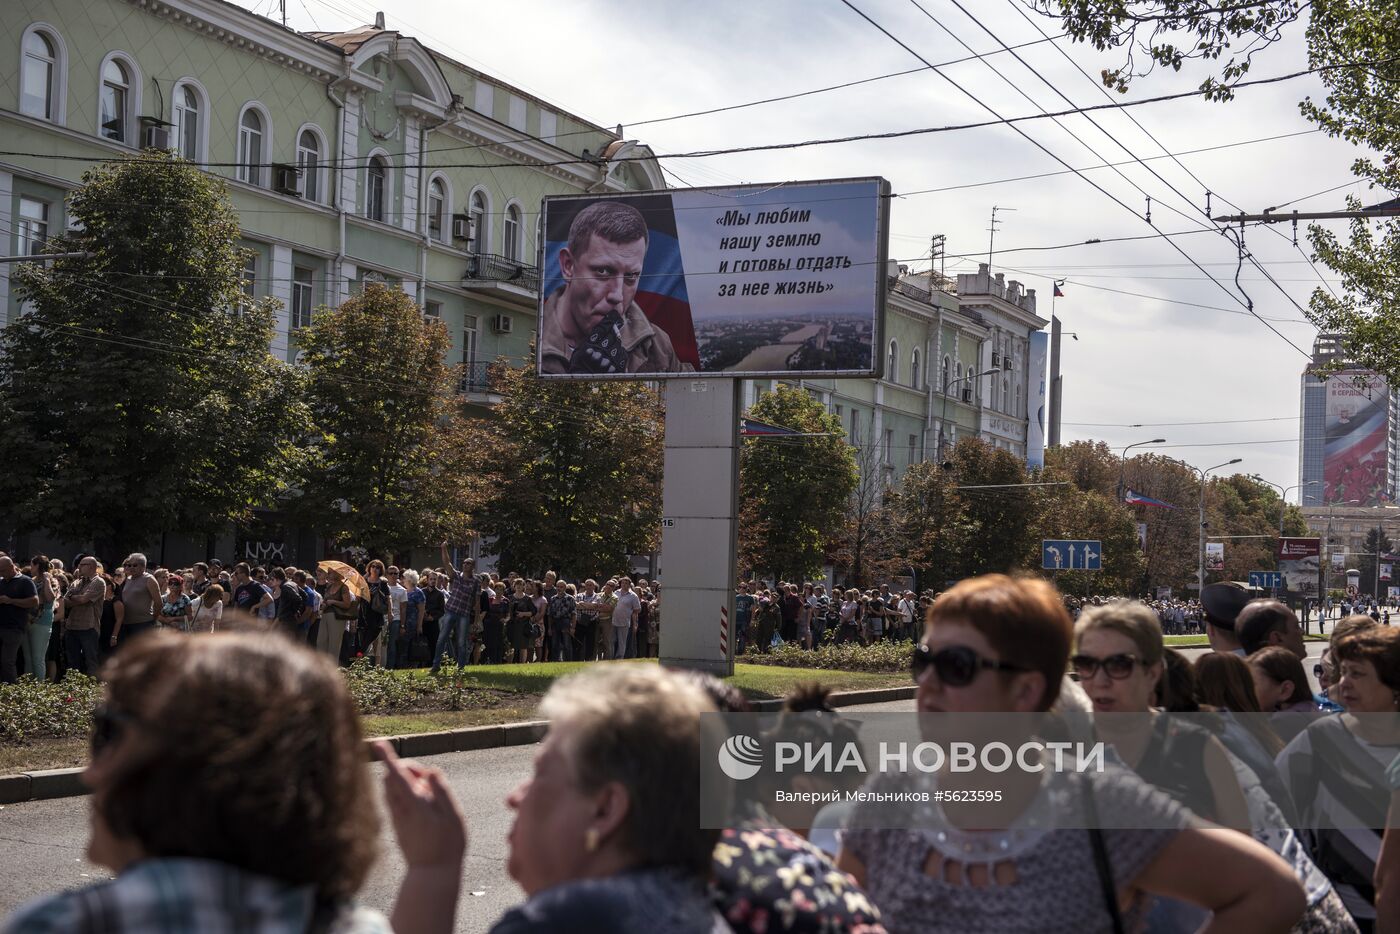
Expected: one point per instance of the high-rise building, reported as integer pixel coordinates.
(1347, 442)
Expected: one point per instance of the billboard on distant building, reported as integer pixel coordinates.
(1037, 379)
(1300, 560)
(1354, 448)
(781, 280)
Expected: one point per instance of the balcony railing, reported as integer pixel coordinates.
(490, 269)
(475, 378)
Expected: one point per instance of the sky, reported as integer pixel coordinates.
(1213, 381)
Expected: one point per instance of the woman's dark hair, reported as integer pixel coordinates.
(1223, 680)
(1282, 665)
(1176, 691)
(246, 750)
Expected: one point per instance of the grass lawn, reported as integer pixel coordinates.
(759, 681)
(1201, 642)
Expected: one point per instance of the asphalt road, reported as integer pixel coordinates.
(44, 840)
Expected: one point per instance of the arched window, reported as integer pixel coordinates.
(39, 77)
(1006, 396)
(914, 368)
(309, 162)
(510, 233)
(479, 214)
(1017, 401)
(437, 209)
(189, 129)
(376, 188)
(250, 147)
(892, 366)
(114, 107)
(947, 372)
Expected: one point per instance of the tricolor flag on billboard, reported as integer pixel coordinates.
(1134, 498)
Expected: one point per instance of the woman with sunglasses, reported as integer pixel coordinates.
(1119, 661)
(236, 797)
(996, 644)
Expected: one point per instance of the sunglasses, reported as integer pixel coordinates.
(1116, 667)
(107, 725)
(1318, 671)
(957, 666)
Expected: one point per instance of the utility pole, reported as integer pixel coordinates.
(938, 254)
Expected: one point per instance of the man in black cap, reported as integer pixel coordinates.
(1222, 603)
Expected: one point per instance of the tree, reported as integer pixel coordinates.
(575, 473)
(929, 527)
(1377, 543)
(1354, 45)
(388, 471)
(998, 508)
(140, 391)
(864, 545)
(1065, 511)
(793, 492)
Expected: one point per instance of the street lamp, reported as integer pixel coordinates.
(1123, 461)
(1282, 508)
(1201, 549)
(943, 420)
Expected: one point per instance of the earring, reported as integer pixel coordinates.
(590, 839)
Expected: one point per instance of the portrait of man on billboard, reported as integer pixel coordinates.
(592, 324)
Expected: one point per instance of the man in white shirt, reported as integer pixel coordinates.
(624, 616)
(398, 596)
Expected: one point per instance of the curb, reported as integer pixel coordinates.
(64, 783)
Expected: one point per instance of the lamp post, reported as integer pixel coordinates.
(1123, 461)
(943, 420)
(1282, 509)
(1201, 549)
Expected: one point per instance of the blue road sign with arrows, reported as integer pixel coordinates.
(1266, 580)
(1071, 555)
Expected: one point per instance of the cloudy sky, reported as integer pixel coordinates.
(1180, 349)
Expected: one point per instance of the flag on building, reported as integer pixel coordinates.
(753, 428)
(1134, 498)
(1058, 292)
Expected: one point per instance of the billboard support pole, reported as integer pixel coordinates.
(699, 537)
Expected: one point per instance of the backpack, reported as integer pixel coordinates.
(291, 602)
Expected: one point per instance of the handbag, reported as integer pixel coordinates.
(1102, 866)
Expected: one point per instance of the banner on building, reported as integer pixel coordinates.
(1142, 536)
(1393, 592)
(781, 280)
(1037, 379)
(1384, 571)
(1300, 561)
(1215, 556)
(1354, 446)
(1339, 562)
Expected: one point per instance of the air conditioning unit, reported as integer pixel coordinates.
(462, 227)
(285, 179)
(1006, 363)
(996, 359)
(502, 324)
(155, 137)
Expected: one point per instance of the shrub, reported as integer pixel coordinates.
(30, 709)
(886, 657)
(376, 690)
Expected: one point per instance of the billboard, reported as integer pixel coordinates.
(1300, 561)
(781, 280)
(1037, 378)
(1354, 446)
(1215, 556)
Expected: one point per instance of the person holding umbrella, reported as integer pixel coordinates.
(345, 587)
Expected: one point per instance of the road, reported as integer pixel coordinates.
(45, 839)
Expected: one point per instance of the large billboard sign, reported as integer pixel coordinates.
(1036, 381)
(1300, 561)
(781, 280)
(1354, 451)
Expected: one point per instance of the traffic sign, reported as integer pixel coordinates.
(1266, 580)
(1071, 555)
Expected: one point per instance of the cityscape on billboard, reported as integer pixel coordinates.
(1355, 451)
(753, 280)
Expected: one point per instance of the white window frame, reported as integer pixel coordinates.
(513, 216)
(444, 212)
(57, 104)
(201, 131)
(914, 368)
(320, 176)
(31, 233)
(947, 373)
(432, 308)
(388, 193)
(482, 226)
(130, 129)
(303, 297)
(248, 281)
(254, 171)
(892, 362)
(470, 336)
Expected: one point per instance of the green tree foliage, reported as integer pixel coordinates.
(139, 396)
(1355, 45)
(1377, 542)
(864, 548)
(572, 473)
(929, 524)
(794, 493)
(388, 470)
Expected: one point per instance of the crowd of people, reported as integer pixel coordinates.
(807, 616)
(52, 620)
(238, 797)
